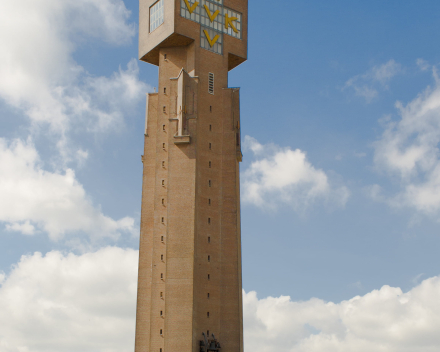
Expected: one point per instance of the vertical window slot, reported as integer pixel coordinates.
(211, 83)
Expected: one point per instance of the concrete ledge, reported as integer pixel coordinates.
(182, 139)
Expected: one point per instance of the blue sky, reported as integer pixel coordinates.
(340, 111)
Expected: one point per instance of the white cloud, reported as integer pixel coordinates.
(385, 320)
(54, 202)
(26, 228)
(40, 77)
(423, 64)
(408, 149)
(281, 175)
(367, 84)
(69, 303)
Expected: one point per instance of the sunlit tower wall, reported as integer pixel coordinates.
(189, 286)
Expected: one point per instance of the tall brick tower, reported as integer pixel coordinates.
(189, 288)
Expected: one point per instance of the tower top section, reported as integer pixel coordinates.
(219, 26)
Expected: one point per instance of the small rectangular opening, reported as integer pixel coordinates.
(209, 239)
(210, 127)
(164, 90)
(209, 258)
(211, 83)
(210, 164)
(161, 238)
(163, 127)
(210, 146)
(209, 201)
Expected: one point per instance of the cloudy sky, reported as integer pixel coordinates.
(340, 178)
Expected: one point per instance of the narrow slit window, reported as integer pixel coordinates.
(209, 220)
(208, 295)
(164, 109)
(165, 90)
(209, 277)
(161, 331)
(210, 146)
(163, 220)
(160, 349)
(161, 238)
(163, 182)
(209, 239)
(163, 146)
(207, 333)
(209, 258)
(163, 201)
(161, 257)
(161, 275)
(165, 56)
(207, 314)
(163, 127)
(161, 295)
(210, 127)
(210, 108)
(209, 183)
(211, 83)
(163, 164)
(209, 201)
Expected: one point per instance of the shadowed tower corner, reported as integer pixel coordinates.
(189, 287)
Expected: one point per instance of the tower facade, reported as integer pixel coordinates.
(189, 287)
